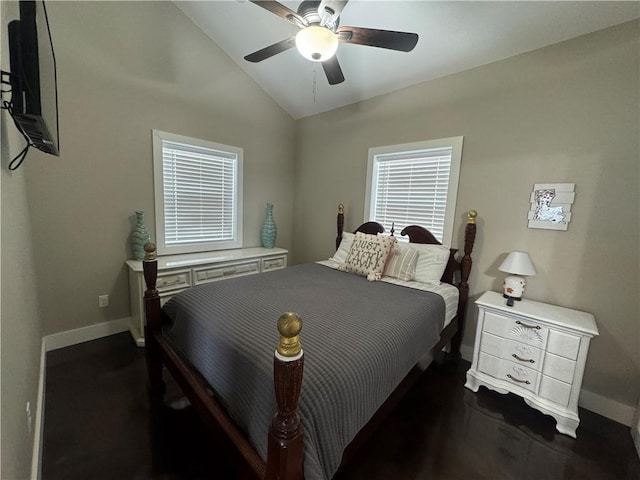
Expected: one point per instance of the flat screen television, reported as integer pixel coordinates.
(34, 98)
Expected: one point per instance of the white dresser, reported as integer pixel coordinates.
(535, 350)
(179, 272)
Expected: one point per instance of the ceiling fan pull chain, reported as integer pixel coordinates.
(315, 70)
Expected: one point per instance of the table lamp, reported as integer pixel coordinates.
(518, 264)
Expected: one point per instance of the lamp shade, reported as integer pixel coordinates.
(518, 263)
(316, 43)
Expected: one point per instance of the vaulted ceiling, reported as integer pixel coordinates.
(453, 36)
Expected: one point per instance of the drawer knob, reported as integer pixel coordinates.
(518, 380)
(530, 360)
(537, 327)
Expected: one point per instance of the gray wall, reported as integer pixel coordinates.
(20, 326)
(566, 113)
(125, 68)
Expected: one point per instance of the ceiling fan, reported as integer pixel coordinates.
(320, 35)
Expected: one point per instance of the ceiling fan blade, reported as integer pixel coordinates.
(332, 8)
(281, 11)
(333, 71)
(401, 41)
(271, 50)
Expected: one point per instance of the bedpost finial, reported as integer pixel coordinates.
(471, 216)
(340, 208)
(289, 326)
(149, 251)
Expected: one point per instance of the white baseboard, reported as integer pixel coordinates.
(86, 334)
(604, 406)
(607, 407)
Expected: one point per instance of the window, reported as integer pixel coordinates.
(198, 194)
(415, 184)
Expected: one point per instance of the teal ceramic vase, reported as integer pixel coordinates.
(139, 237)
(269, 229)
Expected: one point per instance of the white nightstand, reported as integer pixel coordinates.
(535, 350)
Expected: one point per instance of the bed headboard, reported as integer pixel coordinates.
(418, 234)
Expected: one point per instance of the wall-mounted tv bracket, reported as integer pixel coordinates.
(5, 79)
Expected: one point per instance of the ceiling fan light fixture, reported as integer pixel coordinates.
(316, 43)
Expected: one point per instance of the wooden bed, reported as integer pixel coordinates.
(285, 437)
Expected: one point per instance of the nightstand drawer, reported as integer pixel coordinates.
(524, 331)
(173, 281)
(218, 273)
(555, 390)
(559, 367)
(563, 344)
(523, 377)
(516, 352)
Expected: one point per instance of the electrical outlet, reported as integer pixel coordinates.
(29, 417)
(103, 301)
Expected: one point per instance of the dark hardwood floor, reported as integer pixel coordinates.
(98, 426)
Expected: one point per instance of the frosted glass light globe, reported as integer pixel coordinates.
(316, 43)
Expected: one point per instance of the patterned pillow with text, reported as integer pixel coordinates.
(368, 255)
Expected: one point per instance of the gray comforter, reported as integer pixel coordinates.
(360, 339)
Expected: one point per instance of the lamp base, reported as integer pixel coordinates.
(511, 299)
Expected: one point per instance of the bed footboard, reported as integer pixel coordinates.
(284, 451)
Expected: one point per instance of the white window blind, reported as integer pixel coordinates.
(415, 186)
(199, 201)
(198, 194)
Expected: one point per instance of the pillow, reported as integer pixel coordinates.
(402, 262)
(432, 260)
(343, 250)
(368, 255)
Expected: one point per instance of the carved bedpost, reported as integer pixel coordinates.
(284, 453)
(153, 323)
(465, 270)
(340, 224)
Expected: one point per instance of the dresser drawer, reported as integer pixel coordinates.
(516, 352)
(555, 390)
(173, 281)
(523, 331)
(211, 274)
(508, 371)
(273, 263)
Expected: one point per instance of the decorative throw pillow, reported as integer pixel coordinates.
(368, 255)
(343, 250)
(432, 260)
(401, 264)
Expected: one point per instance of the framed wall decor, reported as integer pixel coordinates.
(551, 205)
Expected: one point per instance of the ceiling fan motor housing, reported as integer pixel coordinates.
(309, 11)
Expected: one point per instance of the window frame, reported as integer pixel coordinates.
(455, 143)
(158, 137)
